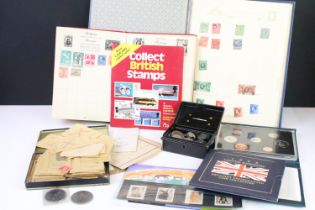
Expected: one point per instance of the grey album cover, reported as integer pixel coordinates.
(158, 16)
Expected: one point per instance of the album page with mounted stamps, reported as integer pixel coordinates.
(242, 58)
(82, 71)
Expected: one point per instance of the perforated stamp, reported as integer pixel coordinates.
(239, 30)
(202, 86)
(238, 112)
(215, 44)
(246, 89)
(203, 41)
(237, 44)
(65, 57)
(203, 65)
(63, 72)
(110, 43)
(138, 41)
(200, 101)
(77, 59)
(101, 60)
(204, 27)
(76, 72)
(183, 43)
(216, 28)
(89, 59)
(253, 109)
(68, 41)
(264, 33)
(219, 103)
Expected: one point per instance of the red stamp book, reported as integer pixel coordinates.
(146, 85)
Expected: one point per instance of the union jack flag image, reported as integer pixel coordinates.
(240, 170)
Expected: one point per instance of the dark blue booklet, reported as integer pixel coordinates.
(240, 174)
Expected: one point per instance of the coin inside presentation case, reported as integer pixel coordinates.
(29, 184)
(194, 129)
(266, 141)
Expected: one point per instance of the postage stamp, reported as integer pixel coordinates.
(165, 194)
(202, 86)
(76, 72)
(215, 44)
(203, 41)
(68, 41)
(239, 30)
(136, 192)
(183, 43)
(237, 44)
(264, 33)
(222, 200)
(238, 112)
(110, 43)
(204, 27)
(138, 41)
(203, 65)
(200, 101)
(219, 103)
(63, 72)
(246, 89)
(253, 109)
(89, 59)
(101, 60)
(216, 28)
(77, 59)
(194, 197)
(65, 57)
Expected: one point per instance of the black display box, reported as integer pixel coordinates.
(29, 184)
(194, 129)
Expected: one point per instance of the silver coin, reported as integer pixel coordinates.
(282, 144)
(203, 137)
(82, 197)
(190, 136)
(256, 140)
(230, 139)
(177, 134)
(273, 135)
(55, 195)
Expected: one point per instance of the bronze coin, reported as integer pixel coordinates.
(241, 147)
(177, 134)
(267, 149)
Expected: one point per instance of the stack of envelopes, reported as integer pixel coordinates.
(78, 152)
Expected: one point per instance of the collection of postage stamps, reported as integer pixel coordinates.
(210, 34)
(246, 90)
(72, 62)
(215, 30)
(174, 195)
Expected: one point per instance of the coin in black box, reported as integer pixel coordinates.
(82, 197)
(55, 195)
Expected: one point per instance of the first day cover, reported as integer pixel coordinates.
(240, 174)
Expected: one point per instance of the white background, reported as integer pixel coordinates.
(19, 130)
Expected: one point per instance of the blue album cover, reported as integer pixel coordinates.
(240, 174)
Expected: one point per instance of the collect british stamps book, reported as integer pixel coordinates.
(240, 174)
(146, 85)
